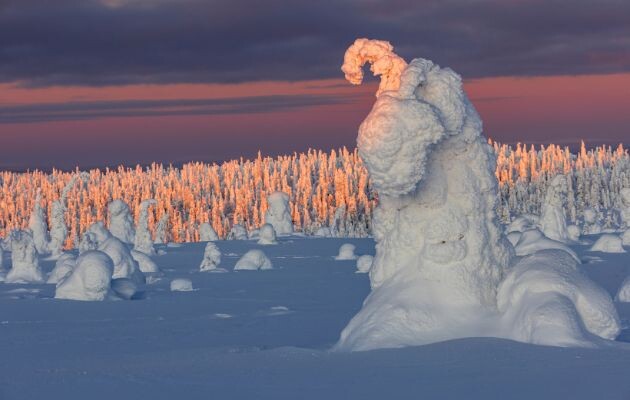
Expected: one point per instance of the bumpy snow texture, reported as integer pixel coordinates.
(440, 254)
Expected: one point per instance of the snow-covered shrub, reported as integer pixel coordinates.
(623, 295)
(63, 268)
(181, 285)
(533, 240)
(323, 231)
(39, 227)
(346, 252)
(211, 257)
(145, 263)
(143, 241)
(121, 221)
(553, 222)
(124, 264)
(90, 279)
(253, 260)
(546, 299)
(238, 232)
(591, 225)
(364, 263)
(608, 243)
(278, 213)
(25, 262)
(207, 233)
(267, 235)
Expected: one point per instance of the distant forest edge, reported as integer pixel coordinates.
(326, 190)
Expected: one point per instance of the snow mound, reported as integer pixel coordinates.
(533, 241)
(211, 257)
(346, 252)
(90, 280)
(608, 243)
(207, 233)
(238, 232)
(623, 295)
(278, 213)
(181, 285)
(63, 268)
(124, 288)
(547, 300)
(253, 260)
(25, 262)
(124, 264)
(267, 235)
(364, 263)
(145, 263)
(121, 222)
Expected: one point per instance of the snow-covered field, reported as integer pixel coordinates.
(268, 333)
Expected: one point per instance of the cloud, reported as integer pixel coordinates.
(115, 42)
(84, 110)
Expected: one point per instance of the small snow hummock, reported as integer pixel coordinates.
(211, 257)
(522, 223)
(553, 222)
(267, 235)
(364, 263)
(181, 285)
(533, 240)
(63, 268)
(207, 233)
(623, 295)
(253, 260)
(90, 279)
(608, 243)
(124, 288)
(278, 213)
(25, 262)
(238, 232)
(346, 252)
(143, 241)
(121, 221)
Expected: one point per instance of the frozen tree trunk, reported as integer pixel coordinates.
(143, 241)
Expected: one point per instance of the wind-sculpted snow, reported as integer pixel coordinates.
(90, 279)
(121, 222)
(253, 260)
(124, 264)
(143, 242)
(24, 260)
(441, 256)
(211, 258)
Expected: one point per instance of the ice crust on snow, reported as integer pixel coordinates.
(207, 233)
(211, 257)
(90, 279)
(346, 252)
(278, 213)
(267, 235)
(608, 243)
(121, 222)
(253, 260)
(25, 262)
(441, 258)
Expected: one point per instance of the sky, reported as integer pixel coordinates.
(94, 83)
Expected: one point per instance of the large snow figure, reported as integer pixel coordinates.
(121, 221)
(25, 262)
(553, 222)
(90, 279)
(440, 254)
(38, 226)
(143, 241)
(58, 227)
(278, 214)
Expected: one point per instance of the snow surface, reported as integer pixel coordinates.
(226, 339)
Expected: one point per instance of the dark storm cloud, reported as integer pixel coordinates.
(44, 112)
(91, 42)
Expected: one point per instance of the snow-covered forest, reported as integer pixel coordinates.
(325, 190)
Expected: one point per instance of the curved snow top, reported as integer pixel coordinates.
(253, 260)
(90, 280)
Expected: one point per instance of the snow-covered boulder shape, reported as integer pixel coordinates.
(90, 279)
(545, 299)
(608, 243)
(181, 285)
(25, 262)
(533, 240)
(63, 268)
(124, 264)
(625, 208)
(39, 227)
(145, 263)
(573, 232)
(278, 213)
(623, 295)
(238, 232)
(211, 257)
(207, 233)
(253, 260)
(553, 222)
(121, 221)
(267, 235)
(591, 225)
(364, 263)
(143, 241)
(440, 252)
(346, 252)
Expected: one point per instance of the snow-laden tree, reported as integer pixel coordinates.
(121, 222)
(143, 241)
(211, 257)
(25, 262)
(39, 227)
(90, 279)
(625, 207)
(267, 235)
(161, 230)
(553, 221)
(278, 213)
(207, 233)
